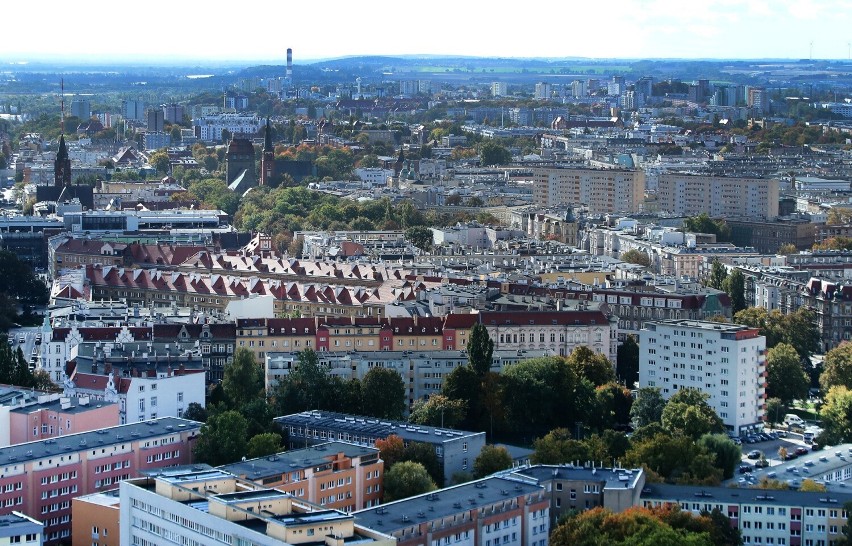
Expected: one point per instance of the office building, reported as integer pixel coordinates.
(725, 361)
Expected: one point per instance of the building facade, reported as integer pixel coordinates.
(603, 191)
(719, 196)
(725, 361)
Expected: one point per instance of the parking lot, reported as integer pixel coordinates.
(770, 449)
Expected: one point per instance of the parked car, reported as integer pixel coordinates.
(745, 467)
(754, 454)
(801, 450)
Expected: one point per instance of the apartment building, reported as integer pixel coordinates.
(691, 194)
(17, 528)
(582, 486)
(336, 475)
(53, 415)
(603, 191)
(199, 505)
(488, 512)
(455, 449)
(96, 518)
(725, 361)
(422, 372)
(41, 478)
(786, 518)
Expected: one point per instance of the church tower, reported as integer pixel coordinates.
(267, 161)
(62, 165)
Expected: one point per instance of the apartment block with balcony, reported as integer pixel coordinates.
(725, 361)
(603, 191)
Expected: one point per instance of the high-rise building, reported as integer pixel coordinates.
(499, 89)
(758, 101)
(133, 109)
(81, 108)
(725, 361)
(543, 91)
(156, 119)
(602, 190)
(174, 113)
(719, 196)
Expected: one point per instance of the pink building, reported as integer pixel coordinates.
(40, 478)
(54, 416)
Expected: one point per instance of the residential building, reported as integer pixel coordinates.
(455, 449)
(336, 475)
(689, 194)
(133, 109)
(794, 518)
(53, 415)
(200, 505)
(18, 528)
(156, 120)
(725, 361)
(41, 478)
(499, 89)
(768, 236)
(603, 191)
(491, 511)
(96, 519)
(584, 485)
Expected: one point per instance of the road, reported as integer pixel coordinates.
(29, 343)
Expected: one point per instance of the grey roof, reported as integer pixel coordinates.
(393, 516)
(15, 525)
(33, 451)
(262, 467)
(813, 465)
(369, 426)
(609, 477)
(56, 405)
(729, 495)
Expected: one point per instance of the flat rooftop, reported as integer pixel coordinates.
(287, 461)
(62, 445)
(722, 495)
(392, 516)
(369, 426)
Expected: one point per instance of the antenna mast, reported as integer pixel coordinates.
(62, 105)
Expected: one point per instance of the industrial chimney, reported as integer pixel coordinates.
(289, 64)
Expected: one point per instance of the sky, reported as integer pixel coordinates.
(158, 31)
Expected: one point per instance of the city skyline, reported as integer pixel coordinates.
(715, 29)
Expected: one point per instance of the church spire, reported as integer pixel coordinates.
(62, 165)
(267, 140)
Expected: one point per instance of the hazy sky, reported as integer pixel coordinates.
(158, 30)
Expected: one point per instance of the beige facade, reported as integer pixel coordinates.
(602, 190)
(95, 519)
(718, 196)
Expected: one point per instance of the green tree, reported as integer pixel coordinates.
(687, 412)
(463, 385)
(160, 161)
(786, 380)
(493, 153)
(420, 236)
(261, 445)
(718, 274)
(383, 394)
(542, 394)
(558, 447)
(242, 379)
(634, 526)
(836, 414)
(222, 439)
(704, 224)
(637, 257)
(391, 450)
(734, 285)
(424, 454)
(674, 458)
(438, 411)
(648, 407)
(480, 349)
(308, 387)
(491, 459)
(612, 406)
(627, 361)
(195, 412)
(590, 365)
(774, 411)
(407, 479)
(837, 367)
(727, 454)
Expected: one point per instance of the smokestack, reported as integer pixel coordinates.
(289, 63)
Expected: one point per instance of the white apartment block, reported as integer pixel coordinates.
(602, 190)
(726, 361)
(719, 196)
(210, 127)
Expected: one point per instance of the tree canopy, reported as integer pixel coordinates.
(491, 459)
(837, 368)
(243, 378)
(407, 479)
(786, 379)
(222, 439)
